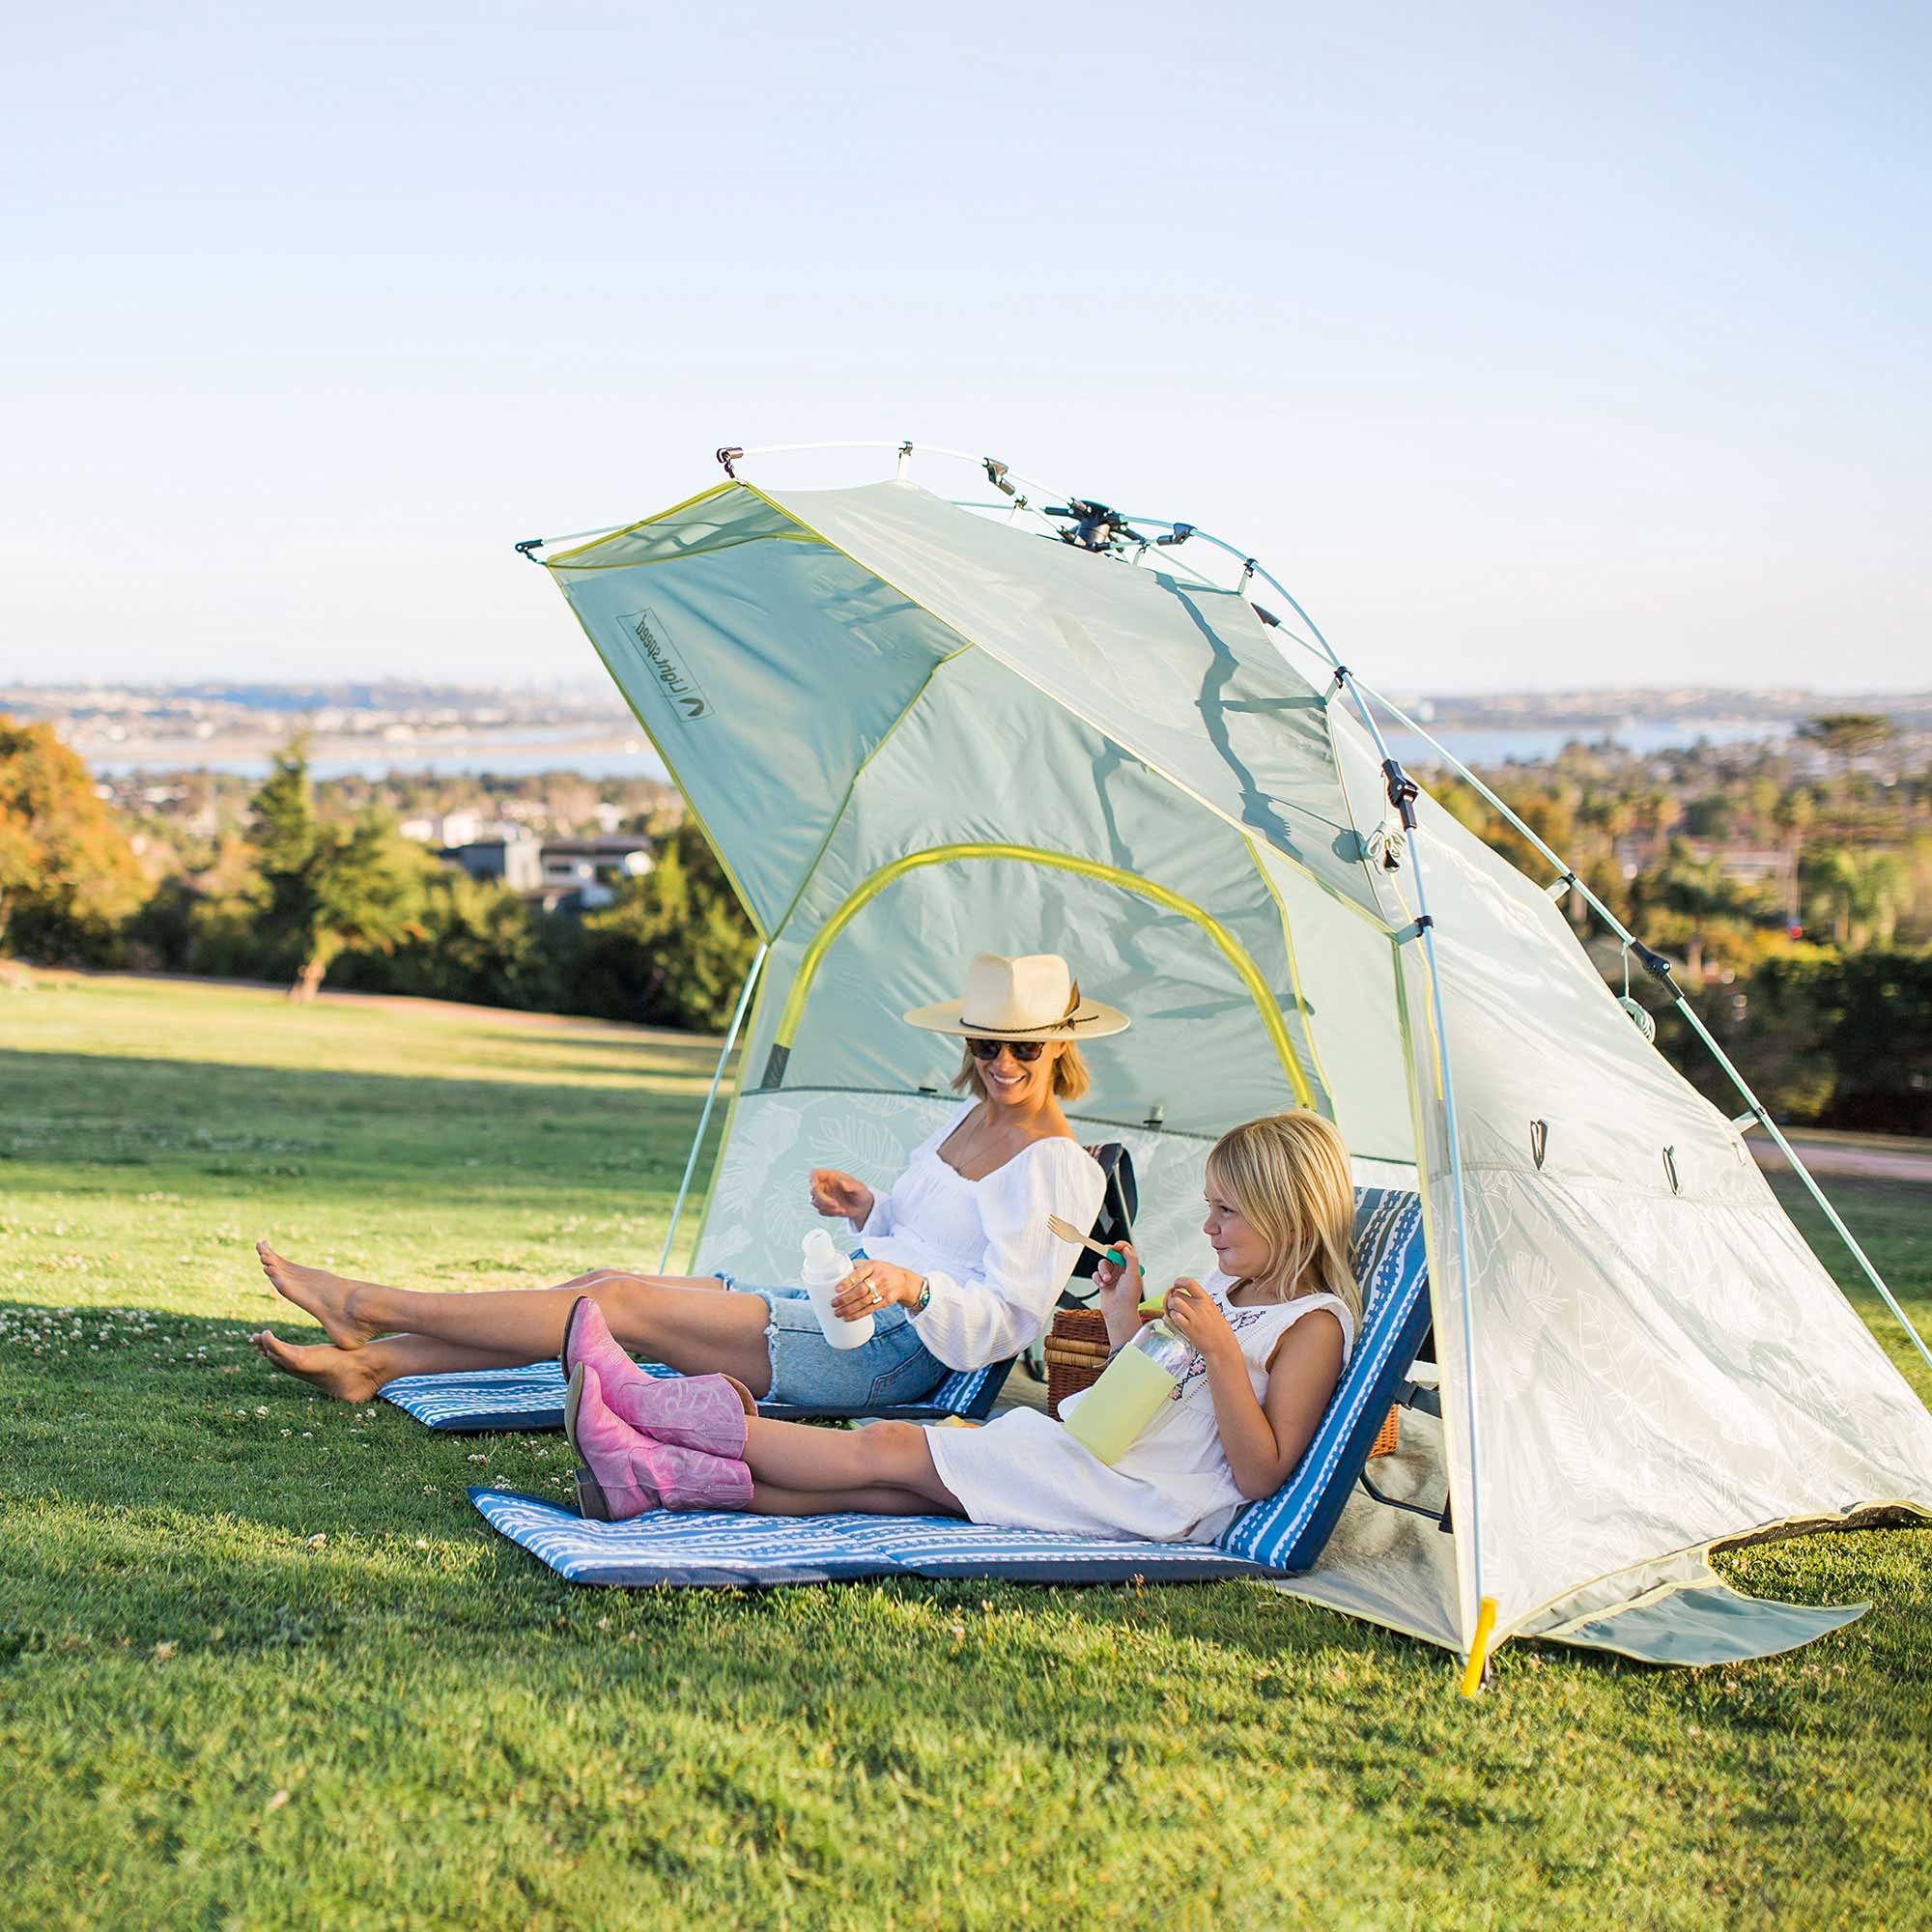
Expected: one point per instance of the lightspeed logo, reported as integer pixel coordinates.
(645, 629)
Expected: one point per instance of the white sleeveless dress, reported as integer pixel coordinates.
(1024, 1471)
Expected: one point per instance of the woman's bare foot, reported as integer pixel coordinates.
(349, 1376)
(317, 1292)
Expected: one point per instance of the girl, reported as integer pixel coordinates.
(1271, 1329)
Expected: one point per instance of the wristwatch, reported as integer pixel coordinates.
(924, 1296)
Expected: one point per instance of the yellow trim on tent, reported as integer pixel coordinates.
(656, 517)
(797, 536)
(1027, 855)
(1323, 1079)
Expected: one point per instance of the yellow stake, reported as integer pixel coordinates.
(1479, 1651)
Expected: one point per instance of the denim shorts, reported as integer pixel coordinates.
(808, 1373)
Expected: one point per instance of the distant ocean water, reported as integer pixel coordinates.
(1477, 745)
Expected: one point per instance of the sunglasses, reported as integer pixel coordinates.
(1025, 1051)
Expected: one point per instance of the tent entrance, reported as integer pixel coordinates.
(1232, 951)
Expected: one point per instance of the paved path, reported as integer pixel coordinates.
(1863, 1156)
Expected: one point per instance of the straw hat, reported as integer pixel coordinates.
(1033, 997)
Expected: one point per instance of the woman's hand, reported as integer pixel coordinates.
(1196, 1317)
(872, 1286)
(834, 1194)
(1120, 1289)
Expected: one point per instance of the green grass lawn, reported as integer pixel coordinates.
(261, 1664)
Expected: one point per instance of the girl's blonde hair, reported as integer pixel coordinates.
(1070, 1078)
(1289, 1176)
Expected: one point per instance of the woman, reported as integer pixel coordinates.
(958, 1267)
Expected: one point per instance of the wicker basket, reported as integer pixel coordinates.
(1076, 1351)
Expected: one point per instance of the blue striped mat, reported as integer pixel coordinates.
(719, 1550)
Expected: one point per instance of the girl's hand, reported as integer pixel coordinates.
(872, 1286)
(1121, 1288)
(1196, 1317)
(834, 1194)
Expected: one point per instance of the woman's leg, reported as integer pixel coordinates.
(884, 1469)
(357, 1375)
(682, 1320)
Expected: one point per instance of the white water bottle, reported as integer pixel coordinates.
(824, 1268)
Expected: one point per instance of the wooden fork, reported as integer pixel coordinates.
(1068, 1231)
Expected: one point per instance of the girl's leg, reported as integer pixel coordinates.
(791, 1460)
(768, 1499)
(681, 1319)
(355, 1375)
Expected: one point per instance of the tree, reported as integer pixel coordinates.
(674, 948)
(69, 878)
(333, 888)
(1847, 736)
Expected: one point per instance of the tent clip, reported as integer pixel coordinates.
(1415, 929)
(1178, 534)
(1403, 791)
(529, 547)
(1557, 887)
(1671, 1168)
(731, 453)
(1656, 965)
(1341, 678)
(1539, 1142)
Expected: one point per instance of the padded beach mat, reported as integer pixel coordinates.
(717, 1549)
(502, 1399)
(487, 1400)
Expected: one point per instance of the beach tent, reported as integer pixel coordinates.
(912, 731)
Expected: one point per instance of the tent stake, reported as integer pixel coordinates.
(705, 1117)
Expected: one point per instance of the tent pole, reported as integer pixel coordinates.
(704, 1115)
(1759, 1111)
(1458, 1199)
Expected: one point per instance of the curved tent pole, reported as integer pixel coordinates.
(1402, 795)
(704, 1115)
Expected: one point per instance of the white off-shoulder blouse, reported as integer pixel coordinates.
(995, 1269)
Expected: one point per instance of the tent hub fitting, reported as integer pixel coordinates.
(1096, 526)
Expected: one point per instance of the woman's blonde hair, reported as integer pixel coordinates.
(1070, 1078)
(1289, 1176)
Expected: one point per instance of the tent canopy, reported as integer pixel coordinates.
(912, 733)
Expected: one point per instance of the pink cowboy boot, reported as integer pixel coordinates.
(627, 1472)
(703, 1412)
(613, 1483)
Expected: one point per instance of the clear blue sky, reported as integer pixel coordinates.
(1531, 345)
